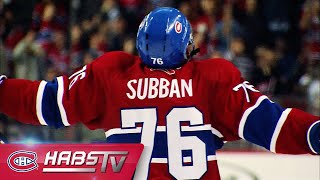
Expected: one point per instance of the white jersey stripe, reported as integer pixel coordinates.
(39, 103)
(185, 159)
(216, 132)
(122, 131)
(277, 130)
(247, 113)
(59, 100)
(159, 160)
(196, 128)
(163, 129)
(212, 158)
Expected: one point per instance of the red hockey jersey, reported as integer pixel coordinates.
(182, 116)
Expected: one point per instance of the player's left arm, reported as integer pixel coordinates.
(246, 113)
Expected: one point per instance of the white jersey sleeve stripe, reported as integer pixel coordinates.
(39, 103)
(277, 130)
(59, 100)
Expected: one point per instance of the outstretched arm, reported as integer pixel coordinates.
(61, 102)
(246, 113)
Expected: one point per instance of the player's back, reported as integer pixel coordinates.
(170, 112)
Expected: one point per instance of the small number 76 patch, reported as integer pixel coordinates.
(245, 85)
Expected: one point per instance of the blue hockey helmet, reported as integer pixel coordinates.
(163, 37)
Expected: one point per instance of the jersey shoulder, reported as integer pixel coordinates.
(217, 69)
(116, 61)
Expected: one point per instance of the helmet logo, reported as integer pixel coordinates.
(178, 27)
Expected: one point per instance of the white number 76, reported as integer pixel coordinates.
(176, 142)
(157, 60)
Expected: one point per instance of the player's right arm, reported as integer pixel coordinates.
(241, 111)
(60, 102)
(63, 101)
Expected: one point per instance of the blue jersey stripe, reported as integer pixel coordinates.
(50, 109)
(160, 149)
(261, 123)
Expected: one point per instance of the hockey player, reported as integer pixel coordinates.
(180, 109)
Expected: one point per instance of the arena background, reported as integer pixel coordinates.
(274, 43)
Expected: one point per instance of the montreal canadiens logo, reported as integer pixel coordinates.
(22, 161)
(178, 27)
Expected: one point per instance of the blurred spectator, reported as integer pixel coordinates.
(206, 22)
(314, 93)
(14, 36)
(282, 20)
(6, 20)
(310, 26)
(286, 67)
(11, 33)
(133, 11)
(109, 10)
(310, 81)
(117, 33)
(263, 78)
(236, 54)
(28, 56)
(129, 45)
(253, 26)
(3, 60)
(277, 14)
(185, 8)
(49, 15)
(200, 28)
(226, 29)
(201, 41)
(57, 53)
(97, 42)
(75, 47)
(204, 28)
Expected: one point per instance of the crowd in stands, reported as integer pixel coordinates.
(274, 43)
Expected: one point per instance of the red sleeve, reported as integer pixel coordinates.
(241, 111)
(61, 102)
(18, 99)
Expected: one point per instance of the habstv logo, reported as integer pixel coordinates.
(22, 161)
(71, 161)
